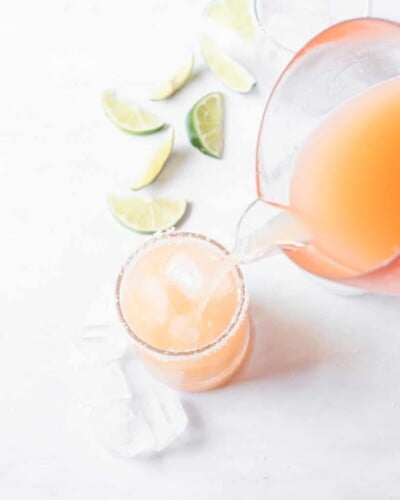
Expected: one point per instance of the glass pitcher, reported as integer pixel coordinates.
(334, 66)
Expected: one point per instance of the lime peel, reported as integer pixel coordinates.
(230, 72)
(234, 15)
(156, 163)
(147, 215)
(204, 124)
(170, 87)
(128, 116)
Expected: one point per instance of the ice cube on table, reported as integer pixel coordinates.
(100, 384)
(121, 406)
(120, 430)
(99, 344)
(182, 327)
(147, 422)
(165, 415)
(183, 272)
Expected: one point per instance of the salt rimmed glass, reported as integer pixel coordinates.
(200, 368)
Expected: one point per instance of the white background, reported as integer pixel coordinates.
(315, 414)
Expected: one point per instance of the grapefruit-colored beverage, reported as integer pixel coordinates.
(186, 342)
(346, 182)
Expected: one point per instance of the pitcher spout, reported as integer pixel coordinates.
(264, 229)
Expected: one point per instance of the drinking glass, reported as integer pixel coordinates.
(292, 23)
(201, 368)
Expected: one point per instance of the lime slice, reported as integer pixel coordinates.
(129, 117)
(234, 15)
(204, 124)
(170, 87)
(156, 163)
(225, 68)
(145, 215)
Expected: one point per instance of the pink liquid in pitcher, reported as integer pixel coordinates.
(346, 184)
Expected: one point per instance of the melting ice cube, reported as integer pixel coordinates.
(100, 384)
(224, 288)
(147, 422)
(164, 414)
(100, 344)
(126, 410)
(182, 327)
(155, 296)
(120, 429)
(184, 273)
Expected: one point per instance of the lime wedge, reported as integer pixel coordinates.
(145, 215)
(170, 87)
(204, 124)
(129, 117)
(225, 68)
(156, 163)
(234, 15)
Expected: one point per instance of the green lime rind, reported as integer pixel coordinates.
(157, 162)
(167, 89)
(234, 15)
(201, 139)
(147, 216)
(228, 71)
(194, 138)
(129, 117)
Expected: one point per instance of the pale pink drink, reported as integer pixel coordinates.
(187, 343)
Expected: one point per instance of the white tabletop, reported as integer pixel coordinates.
(315, 413)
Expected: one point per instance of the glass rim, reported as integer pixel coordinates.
(310, 45)
(226, 334)
(261, 25)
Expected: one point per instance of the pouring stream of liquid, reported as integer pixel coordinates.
(258, 236)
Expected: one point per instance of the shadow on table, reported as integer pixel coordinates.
(175, 165)
(281, 346)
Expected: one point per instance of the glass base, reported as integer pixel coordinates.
(205, 373)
